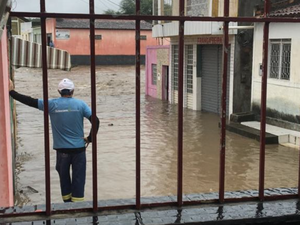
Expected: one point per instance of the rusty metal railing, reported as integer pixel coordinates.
(182, 19)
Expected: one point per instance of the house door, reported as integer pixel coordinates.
(211, 82)
(49, 38)
(165, 82)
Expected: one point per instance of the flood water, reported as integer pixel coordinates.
(116, 143)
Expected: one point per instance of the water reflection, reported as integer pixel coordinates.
(116, 144)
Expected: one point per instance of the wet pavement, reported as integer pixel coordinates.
(272, 212)
(116, 144)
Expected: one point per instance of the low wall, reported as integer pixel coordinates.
(106, 60)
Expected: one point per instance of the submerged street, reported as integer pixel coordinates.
(116, 143)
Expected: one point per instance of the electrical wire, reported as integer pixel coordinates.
(102, 2)
(114, 3)
(89, 4)
(14, 5)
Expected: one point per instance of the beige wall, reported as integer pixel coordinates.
(233, 8)
(217, 7)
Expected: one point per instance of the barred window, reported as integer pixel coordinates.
(280, 59)
(189, 67)
(154, 74)
(175, 66)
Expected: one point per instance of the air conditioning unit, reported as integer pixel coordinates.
(5, 6)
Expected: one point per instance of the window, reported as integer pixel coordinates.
(189, 67)
(175, 66)
(280, 59)
(98, 37)
(154, 74)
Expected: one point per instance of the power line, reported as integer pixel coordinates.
(114, 4)
(89, 4)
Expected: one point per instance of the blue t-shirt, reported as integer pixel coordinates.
(66, 115)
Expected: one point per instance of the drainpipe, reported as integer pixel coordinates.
(238, 28)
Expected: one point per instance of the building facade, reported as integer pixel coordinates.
(114, 40)
(283, 84)
(157, 71)
(203, 56)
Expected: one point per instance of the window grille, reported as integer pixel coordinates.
(280, 59)
(154, 74)
(189, 68)
(175, 66)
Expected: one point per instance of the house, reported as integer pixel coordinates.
(26, 28)
(114, 40)
(203, 55)
(157, 71)
(283, 83)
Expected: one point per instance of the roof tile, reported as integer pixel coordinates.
(101, 24)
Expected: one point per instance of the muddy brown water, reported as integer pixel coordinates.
(116, 143)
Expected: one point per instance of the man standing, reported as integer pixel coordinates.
(66, 115)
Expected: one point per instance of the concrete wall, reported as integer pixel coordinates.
(282, 95)
(243, 61)
(6, 177)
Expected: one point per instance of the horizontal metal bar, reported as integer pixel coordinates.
(155, 205)
(146, 17)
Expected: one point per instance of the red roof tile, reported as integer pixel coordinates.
(289, 11)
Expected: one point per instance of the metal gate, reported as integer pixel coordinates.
(181, 18)
(211, 79)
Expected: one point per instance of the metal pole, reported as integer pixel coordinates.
(223, 112)
(94, 122)
(46, 116)
(147, 17)
(138, 108)
(180, 107)
(263, 104)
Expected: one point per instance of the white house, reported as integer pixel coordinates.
(283, 84)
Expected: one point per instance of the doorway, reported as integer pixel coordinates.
(165, 82)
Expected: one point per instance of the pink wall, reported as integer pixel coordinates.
(151, 58)
(114, 42)
(6, 178)
(50, 27)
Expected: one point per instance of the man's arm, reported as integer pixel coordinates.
(27, 100)
(89, 138)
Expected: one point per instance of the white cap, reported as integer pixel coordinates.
(66, 84)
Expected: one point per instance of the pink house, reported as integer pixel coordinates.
(114, 40)
(157, 72)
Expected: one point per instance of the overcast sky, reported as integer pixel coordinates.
(60, 6)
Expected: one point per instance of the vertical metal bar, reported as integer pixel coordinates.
(180, 107)
(263, 104)
(299, 175)
(138, 108)
(93, 93)
(224, 97)
(46, 116)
